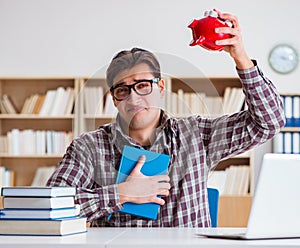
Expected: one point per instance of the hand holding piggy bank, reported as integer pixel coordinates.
(204, 33)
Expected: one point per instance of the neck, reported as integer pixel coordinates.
(145, 136)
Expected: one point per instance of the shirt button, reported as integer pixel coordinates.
(110, 204)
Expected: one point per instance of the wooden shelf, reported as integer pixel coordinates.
(50, 156)
(234, 211)
(33, 117)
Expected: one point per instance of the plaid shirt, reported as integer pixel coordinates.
(196, 145)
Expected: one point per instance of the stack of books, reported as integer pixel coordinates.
(40, 211)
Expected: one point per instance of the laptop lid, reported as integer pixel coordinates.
(275, 211)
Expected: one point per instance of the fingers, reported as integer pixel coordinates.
(139, 165)
(229, 17)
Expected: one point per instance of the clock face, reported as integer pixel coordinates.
(283, 59)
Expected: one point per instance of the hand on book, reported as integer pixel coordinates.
(139, 188)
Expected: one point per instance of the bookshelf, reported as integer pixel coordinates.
(19, 89)
(79, 121)
(288, 140)
(102, 111)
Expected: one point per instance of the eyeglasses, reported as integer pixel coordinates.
(142, 87)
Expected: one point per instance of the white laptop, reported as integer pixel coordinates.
(275, 210)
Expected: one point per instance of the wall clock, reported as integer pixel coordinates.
(283, 58)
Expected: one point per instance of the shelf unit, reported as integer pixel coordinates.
(88, 122)
(288, 140)
(18, 89)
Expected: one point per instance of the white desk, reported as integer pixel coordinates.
(139, 238)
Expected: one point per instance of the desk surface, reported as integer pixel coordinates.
(142, 237)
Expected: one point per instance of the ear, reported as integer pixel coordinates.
(161, 86)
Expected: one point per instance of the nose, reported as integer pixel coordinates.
(133, 97)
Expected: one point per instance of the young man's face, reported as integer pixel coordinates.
(139, 112)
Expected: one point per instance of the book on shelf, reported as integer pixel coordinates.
(286, 142)
(48, 102)
(29, 141)
(39, 213)
(38, 202)
(47, 191)
(41, 175)
(70, 101)
(234, 180)
(9, 105)
(59, 227)
(109, 107)
(58, 102)
(93, 100)
(155, 164)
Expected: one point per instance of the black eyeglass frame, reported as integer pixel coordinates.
(132, 86)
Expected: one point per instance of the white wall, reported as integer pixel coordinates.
(77, 37)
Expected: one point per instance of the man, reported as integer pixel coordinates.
(196, 144)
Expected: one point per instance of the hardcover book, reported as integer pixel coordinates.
(38, 191)
(59, 227)
(38, 202)
(57, 213)
(155, 164)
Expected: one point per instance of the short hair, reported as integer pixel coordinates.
(127, 59)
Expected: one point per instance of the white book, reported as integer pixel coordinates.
(167, 99)
(278, 143)
(88, 101)
(230, 104)
(239, 99)
(46, 191)
(217, 179)
(296, 107)
(58, 102)
(49, 142)
(27, 141)
(40, 136)
(296, 142)
(226, 98)
(288, 106)
(8, 104)
(187, 103)
(42, 175)
(25, 106)
(33, 101)
(287, 142)
(39, 202)
(15, 141)
(2, 177)
(245, 180)
(180, 102)
(99, 93)
(39, 213)
(70, 101)
(59, 227)
(109, 108)
(47, 104)
(174, 110)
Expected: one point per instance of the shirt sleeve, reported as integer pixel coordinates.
(239, 132)
(76, 169)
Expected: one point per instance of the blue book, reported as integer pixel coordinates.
(155, 164)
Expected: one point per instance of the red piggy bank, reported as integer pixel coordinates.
(204, 31)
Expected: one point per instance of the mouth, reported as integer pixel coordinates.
(136, 109)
